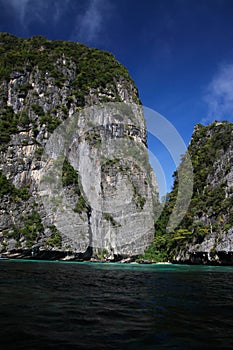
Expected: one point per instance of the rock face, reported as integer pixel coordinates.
(75, 176)
(209, 219)
(204, 232)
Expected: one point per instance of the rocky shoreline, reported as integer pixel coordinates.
(220, 258)
(223, 258)
(58, 255)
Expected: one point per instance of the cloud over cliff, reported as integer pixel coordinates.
(85, 24)
(219, 94)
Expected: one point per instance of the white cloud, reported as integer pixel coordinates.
(89, 15)
(59, 9)
(90, 23)
(30, 10)
(219, 95)
(20, 8)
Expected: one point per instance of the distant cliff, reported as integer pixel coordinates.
(210, 216)
(205, 235)
(75, 179)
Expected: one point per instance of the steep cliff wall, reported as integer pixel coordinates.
(74, 174)
(210, 216)
(205, 235)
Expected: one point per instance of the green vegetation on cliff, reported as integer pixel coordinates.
(8, 124)
(55, 240)
(30, 232)
(44, 69)
(211, 206)
(93, 68)
(70, 177)
(43, 83)
(8, 189)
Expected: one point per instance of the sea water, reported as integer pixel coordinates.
(52, 305)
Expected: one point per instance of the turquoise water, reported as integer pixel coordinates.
(132, 266)
(64, 305)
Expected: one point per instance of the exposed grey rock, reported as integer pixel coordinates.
(216, 247)
(106, 146)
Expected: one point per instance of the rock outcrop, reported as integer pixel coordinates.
(205, 233)
(75, 176)
(211, 208)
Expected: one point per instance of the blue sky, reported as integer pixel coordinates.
(179, 52)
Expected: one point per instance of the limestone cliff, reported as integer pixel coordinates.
(210, 216)
(75, 176)
(205, 234)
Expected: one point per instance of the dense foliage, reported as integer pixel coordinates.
(8, 189)
(30, 232)
(70, 177)
(55, 240)
(77, 66)
(94, 68)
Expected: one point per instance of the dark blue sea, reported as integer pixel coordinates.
(52, 305)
